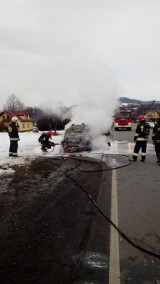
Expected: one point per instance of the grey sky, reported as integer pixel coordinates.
(72, 51)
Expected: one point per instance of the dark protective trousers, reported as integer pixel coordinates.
(140, 145)
(46, 145)
(13, 148)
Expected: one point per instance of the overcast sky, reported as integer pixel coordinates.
(71, 51)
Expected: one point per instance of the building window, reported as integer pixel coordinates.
(23, 125)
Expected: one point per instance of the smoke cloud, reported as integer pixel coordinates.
(96, 97)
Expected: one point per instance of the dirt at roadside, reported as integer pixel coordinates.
(45, 220)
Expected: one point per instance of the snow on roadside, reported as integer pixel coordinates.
(28, 149)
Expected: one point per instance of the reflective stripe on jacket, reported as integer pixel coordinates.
(142, 131)
(13, 132)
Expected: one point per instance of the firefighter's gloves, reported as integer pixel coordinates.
(108, 133)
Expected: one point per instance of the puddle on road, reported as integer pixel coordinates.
(93, 267)
(125, 147)
(118, 148)
(95, 260)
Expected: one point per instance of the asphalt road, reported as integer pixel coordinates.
(138, 213)
(50, 230)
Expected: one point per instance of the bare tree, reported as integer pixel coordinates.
(13, 104)
(20, 105)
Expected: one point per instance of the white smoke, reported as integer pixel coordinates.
(97, 99)
(90, 86)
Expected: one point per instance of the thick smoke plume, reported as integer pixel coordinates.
(97, 93)
(93, 92)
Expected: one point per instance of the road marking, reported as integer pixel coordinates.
(114, 265)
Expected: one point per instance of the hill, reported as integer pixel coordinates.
(125, 100)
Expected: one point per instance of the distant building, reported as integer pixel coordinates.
(152, 115)
(24, 120)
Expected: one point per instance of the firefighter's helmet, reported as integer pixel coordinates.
(49, 133)
(141, 118)
(14, 119)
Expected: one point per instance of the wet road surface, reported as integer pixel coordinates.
(138, 198)
(53, 232)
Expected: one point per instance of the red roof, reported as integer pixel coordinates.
(18, 114)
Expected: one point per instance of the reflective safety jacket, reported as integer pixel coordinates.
(142, 132)
(13, 131)
(156, 134)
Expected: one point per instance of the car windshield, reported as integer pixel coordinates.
(123, 115)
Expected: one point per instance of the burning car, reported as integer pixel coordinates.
(76, 139)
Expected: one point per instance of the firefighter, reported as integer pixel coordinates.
(44, 139)
(141, 139)
(156, 138)
(14, 137)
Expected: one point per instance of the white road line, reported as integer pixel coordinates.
(114, 265)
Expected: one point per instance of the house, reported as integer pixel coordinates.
(152, 115)
(24, 120)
